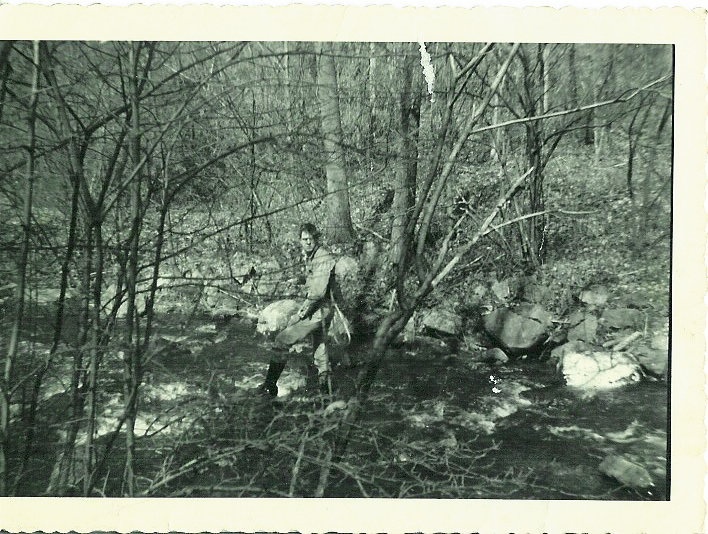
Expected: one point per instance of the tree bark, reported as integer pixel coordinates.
(602, 133)
(5, 49)
(573, 84)
(407, 161)
(371, 86)
(6, 383)
(132, 355)
(91, 381)
(339, 223)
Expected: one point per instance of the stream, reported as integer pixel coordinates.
(436, 424)
(540, 439)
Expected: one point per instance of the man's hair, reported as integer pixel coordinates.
(310, 229)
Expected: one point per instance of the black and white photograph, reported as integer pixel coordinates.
(339, 268)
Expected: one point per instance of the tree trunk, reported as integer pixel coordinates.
(252, 184)
(159, 244)
(58, 327)
(339, 223)
(6, 383)
(407, 164)
(371, 86)
(5, 49)
(94, 358)
(573, 84)
(544, 77)
(536, 161)
(602, 131)
(534, 83)
(132, 356)
(62, 473)
(289, 123)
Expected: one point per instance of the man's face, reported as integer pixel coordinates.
(307, 242)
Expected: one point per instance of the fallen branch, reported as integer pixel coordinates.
(298, 461)
(515, 220)
(324, 473)
(191, 465)
(536, 214)
(621, 344)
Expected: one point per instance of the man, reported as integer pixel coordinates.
(313, 317)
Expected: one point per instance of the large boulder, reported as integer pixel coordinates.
(494, 356)
(536, 292)
(520, 329)
(501, 289)
(655, 361)
(558, 353)
(584, 329)
(274, 317)
(442, 321)
(622, 318)
(595, 296)
(593, 371)
(626, 472)
(653, 354)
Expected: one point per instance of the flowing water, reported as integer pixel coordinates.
(523, 434)
(436, 425)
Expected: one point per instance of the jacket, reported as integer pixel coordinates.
(319, 270)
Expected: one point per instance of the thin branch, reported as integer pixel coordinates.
(298, 460)
(468, 70)
(616, 100)
(481, 231)
(452, 157)
(515, 220)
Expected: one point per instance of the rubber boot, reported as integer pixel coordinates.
(270, 386)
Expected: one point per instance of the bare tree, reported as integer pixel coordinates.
(339, 223)
(407, 165)
(6, 385)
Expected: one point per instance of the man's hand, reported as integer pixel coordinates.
(299, 316)
(302, 312)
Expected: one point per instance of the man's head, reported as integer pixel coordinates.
(309, 237)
